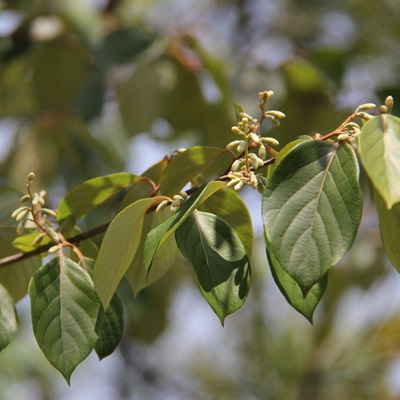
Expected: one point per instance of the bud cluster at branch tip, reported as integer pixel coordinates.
(248, 127)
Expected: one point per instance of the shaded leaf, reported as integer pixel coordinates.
(163, 260)
(312, 208)
(64, 308)
(119, 247)
(85, 197)
(186, 165)
(389, 224)
(229, 206)
(219, 258)
(291, 290)
(379, 146)
(159, 235)
(8, 319)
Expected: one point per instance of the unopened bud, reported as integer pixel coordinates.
(55, 237)
(242, 147)
(367, 106)
(25, 198)
(276, 114)
(53, 249)
(162, 205)
(48, 212)
(31, 176)
(21, 215)
(262, 152)
(253, 181)
(236, 165)
(238, 186)
(38, 239)
(383, 109)
(18, 211)
(389, 102)
(343, 136)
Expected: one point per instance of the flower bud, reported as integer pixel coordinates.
(48, 212)
(18, 211)
(31, 176)
(238, 186)
(53, 249)
(242, 147)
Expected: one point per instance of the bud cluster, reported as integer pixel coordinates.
(174, 203)
(242, 169)
(33, 215)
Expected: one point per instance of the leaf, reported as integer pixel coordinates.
(85, 197)
(229, 206)
(238, 109)
(110, 328)
(8, 319)
(159, 235)
(291, 290)
(64, 307)
(379, 145)
(110, 323)
(24, 243)
(163, 260)
(119, 247)
(312, 208)
(186, 165)
(389, 224)
(220, 261)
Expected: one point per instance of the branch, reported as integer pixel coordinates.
(95, 231)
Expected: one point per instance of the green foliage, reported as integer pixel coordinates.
(188, 203)
(220, 261)
(312, 208)
(65, 308)
(379, 150)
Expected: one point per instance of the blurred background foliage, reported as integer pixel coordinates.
(89, 87)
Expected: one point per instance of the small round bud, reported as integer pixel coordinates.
(389, 102)
(53, 249)
(242, 147)
(262, 152)
(236, 165)
(343, 136)
(383, 109)
(31, 176)
(238, 186)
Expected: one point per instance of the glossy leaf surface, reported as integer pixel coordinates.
(220, 261)
(379, 145)
(64, 308)
(312, 208)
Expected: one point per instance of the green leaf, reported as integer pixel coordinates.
(291, 290)
(64, 307)
(220, 261)
(312, 208)
(8, 319)
(229, 206)
(285, 151)
(85, 197)
(110, 328)
(389, 224)
(24, 243)
(238, 109)
(110, 323)
(186, 165)
(379, 145)
(119, 247)
(159, 235)
(163, 260)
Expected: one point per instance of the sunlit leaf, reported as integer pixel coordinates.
(291, 290)
(8, 319)
(86, 196)
(119, 247)
(64, 307)
(186, 165)
(312, 208)
(159, 235)
(229, 206)
(219, 258)
(389, 224)
(379, 145)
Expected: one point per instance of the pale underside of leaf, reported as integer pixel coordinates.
(379, 144)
